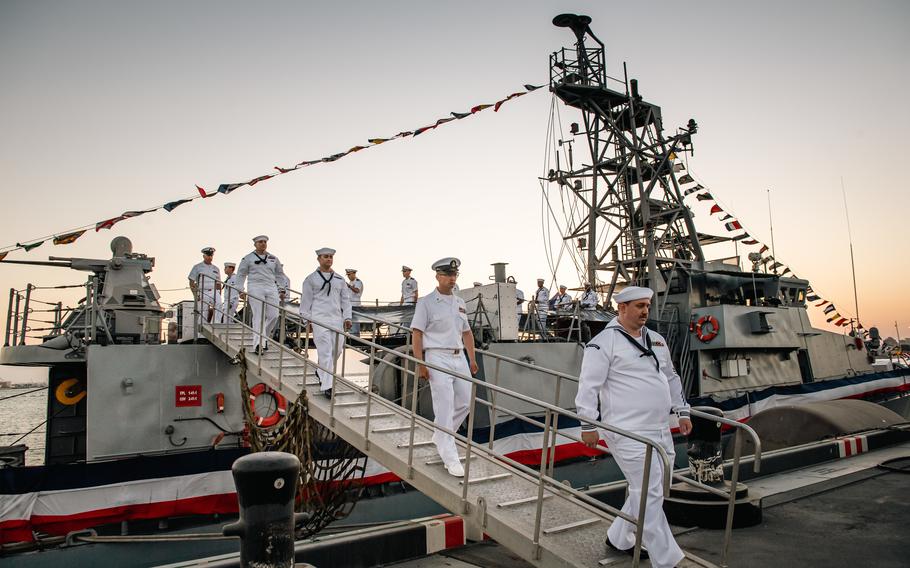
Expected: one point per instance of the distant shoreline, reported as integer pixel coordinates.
(11, 385)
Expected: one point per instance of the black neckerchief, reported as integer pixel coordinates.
(645, 351)
(326, 281)
(262, 259)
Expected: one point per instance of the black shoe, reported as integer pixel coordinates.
(629, 551)
(256, 350)
(327, 393)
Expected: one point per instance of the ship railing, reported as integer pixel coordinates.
(740, 429)
(543, 478)
(26, 312)
(702, 412)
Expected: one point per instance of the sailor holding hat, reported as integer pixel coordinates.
(628, 374)
(356, 286)
(207, 297)
(326, 300)
(231, 297)
(264, 271)
(408, 287)
(441, 335)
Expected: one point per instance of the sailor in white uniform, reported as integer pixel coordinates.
(355, 285)
(207, 296)
(264, 271)
(408, 287)
(589, 298)
(628, 374)
(541, 303)
(562, 301)
(326, 300)
(230, 294)
(519, 295)
(441, 337)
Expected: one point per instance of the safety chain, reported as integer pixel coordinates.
(331, 470)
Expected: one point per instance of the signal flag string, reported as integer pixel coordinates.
(71, 235)
(731, 224)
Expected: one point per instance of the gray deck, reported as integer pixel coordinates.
(572, 532)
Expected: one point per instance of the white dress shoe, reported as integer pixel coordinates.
(455, 469)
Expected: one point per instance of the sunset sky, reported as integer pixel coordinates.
(114, 106)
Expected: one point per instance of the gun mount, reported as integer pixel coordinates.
(120, 303)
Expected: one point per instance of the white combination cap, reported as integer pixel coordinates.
(632, 293)
(208, 250)
(325, 250)
(350, 270)
(403, 268)
(447, 265)
(260, 238)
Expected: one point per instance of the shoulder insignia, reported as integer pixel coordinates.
(658, 344)
(462, 310)
(594, 345)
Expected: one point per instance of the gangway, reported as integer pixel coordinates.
(536, 516)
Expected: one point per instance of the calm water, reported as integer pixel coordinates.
(21, 414)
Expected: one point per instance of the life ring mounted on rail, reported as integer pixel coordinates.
(281, 405)
(706, 328)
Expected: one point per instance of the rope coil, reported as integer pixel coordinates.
(331, 469)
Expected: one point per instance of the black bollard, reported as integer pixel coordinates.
(266, 485)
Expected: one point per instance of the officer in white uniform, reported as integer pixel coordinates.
(589, 298)
(541, 303)
(355, 285)
(326, 300)
(563, 300)
(207, 297)
(264, 271)
(441, 336)
(628, 374)
(230, 294)
(408, 287)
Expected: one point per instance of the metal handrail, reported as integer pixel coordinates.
(550, 425)
(701, 412)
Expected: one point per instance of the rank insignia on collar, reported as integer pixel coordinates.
(658, 344)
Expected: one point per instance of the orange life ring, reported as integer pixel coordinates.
(706, 336)
(280, 402)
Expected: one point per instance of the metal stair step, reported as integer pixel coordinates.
(571, 526)
(380, 415)
(494, 477)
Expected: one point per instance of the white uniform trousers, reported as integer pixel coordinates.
(262, 310)
(206, 305)
(656, 537)
(328, 348)
(542, 320)
(451, 398)
(229, 305)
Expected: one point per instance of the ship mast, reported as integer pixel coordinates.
(629, 189)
